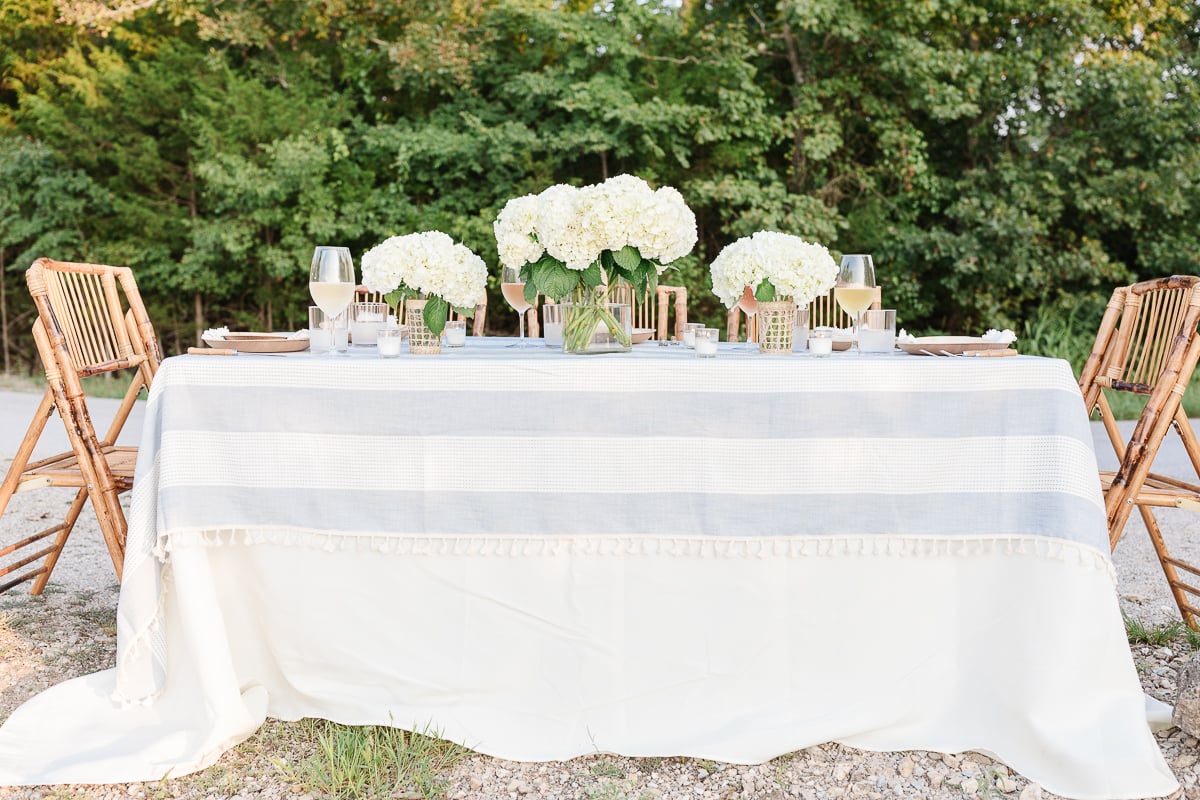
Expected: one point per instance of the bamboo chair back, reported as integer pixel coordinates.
(1148, 345)
(653, 312)
(364, 295)
(823, 311)
(90, 321)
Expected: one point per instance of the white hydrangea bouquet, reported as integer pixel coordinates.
(774, 265)
(783, 271)
(572, 242)
(430, 264)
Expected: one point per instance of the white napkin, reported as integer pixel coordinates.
(215, 333)
(300, 334)
(1003, 337)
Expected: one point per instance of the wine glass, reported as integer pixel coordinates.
(748, 303)
(855, 289)
(513, 289)
(331, 281)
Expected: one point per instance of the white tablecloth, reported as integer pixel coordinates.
(542, 556)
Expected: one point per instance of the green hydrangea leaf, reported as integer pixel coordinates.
(436, 310)
(628, 257)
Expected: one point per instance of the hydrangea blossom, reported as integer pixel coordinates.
(796, 268)
(516, 228)
(429, 262)
(575, 225)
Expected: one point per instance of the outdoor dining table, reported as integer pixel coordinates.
(542, 556)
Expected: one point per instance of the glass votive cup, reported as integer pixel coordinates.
(456, 333)
(552, 324)
(800, 330)
(706, 342)
(877, 331)
(387, 341)
(326, 333)
(820, 343)
(365, 321)
(689, 333)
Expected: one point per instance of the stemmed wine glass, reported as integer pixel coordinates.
(513, 289)
(855, 288)
(748, 303)
(331, 283)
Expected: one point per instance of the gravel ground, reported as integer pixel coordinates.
(71, 631)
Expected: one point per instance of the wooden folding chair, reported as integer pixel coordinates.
(364, 295)
(1148, 345)
(823, 311)
(82, 329)
(653, 312)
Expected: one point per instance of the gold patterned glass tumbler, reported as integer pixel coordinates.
(421, 340)
(776, 326)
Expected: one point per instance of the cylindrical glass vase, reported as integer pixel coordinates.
(594, 326)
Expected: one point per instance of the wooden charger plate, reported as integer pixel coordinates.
(948, 345)
(640, 335)
(251, 342)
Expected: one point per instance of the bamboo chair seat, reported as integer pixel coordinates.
(64, 470)
(823, 311)
(90, 321)
(1148, 345)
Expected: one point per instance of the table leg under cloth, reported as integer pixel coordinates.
(546, 650)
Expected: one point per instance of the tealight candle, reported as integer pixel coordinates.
(820, 346)
(706, 342)
(456, 333)
(387, 342)
(689, 333)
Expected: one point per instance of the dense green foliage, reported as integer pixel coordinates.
(1000, 159)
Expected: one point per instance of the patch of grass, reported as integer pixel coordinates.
(1156, 636)
(606, 768)
(707, 765)
(374, 761)
(649, 764)
(1191, 638)
(11, 382)
(611, 791)
(112, 384)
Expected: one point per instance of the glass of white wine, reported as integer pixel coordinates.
(855, 289)
(748, 303)
(331, 279)
(513, 289)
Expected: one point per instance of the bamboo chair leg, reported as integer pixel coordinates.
(1168, 567)
(60, 541)
(1187, 435)
(13, 477)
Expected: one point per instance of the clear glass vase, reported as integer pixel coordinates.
(591, 324)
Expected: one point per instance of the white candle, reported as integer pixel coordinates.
(456, 334)
(365, 327)
(706, 342)
(341, 338)
(388, 342)
(319, 340)
(689, 337)
(820, 345)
